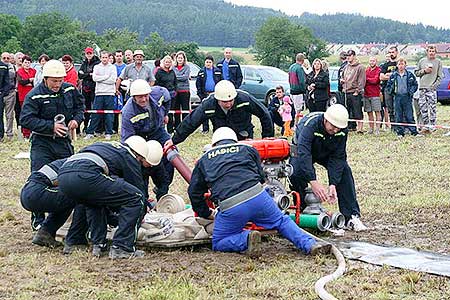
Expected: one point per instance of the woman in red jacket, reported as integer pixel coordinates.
(71, 74)
(25, 80)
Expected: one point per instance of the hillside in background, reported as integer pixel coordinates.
(216, 23)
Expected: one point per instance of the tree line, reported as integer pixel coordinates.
(217, 23)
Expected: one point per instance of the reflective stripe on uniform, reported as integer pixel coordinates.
(242, 104)
(139, 117)
(44, 96)
(210, 111)
(70, 88)
(318, 134)
(340, 134)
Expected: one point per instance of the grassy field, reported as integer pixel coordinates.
(403, 188)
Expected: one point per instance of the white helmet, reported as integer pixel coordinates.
(138, 145)
(140, 87)
(225, 91)
(155, 152)
(223, 133)
(53, 68)
(337, 115)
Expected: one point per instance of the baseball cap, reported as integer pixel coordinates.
(351, 52)
(89, 50)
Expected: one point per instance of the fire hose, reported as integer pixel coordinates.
(274, 153)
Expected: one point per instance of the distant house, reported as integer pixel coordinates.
(443, 50)
(371, 49)
(414, 49)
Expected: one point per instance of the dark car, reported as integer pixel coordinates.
(260, 81)
(443, 91)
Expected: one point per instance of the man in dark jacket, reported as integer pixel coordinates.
(144, 115)
(233, 174)
(322, 138)
(4, 90)
(207, 79)
(51, 111)
(87, 83)
(231, 70)
(226, 108)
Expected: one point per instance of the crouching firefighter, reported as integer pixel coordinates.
(110, 176)
(322, 138)
(234, 175)
(40, 194)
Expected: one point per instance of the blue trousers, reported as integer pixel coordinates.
(102, 102)
(403, 111)
(99, 191)
(229, 235)
(39, 197)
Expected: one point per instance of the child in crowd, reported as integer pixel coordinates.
(285, 112)
(402, 85)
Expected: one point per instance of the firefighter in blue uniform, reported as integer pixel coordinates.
(234, 175)
(110, 176)
(145, 114)
(226, 108)
(40, 194)
(50, 139)
(322, 138)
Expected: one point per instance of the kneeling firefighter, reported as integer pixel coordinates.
(110, 174)
(234, 175)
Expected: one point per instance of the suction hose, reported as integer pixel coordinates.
(319, 286)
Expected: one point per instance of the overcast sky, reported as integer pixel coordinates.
(405, 11)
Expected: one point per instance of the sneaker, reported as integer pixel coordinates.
(99, 250)
(88, 136)
(253, 244)
(399, 136)
(205, 131)
(44, 238)
(117, 253)
(370, 131)
(377, 132)
(69, 249)
(355, 224)
(320, 248)
(107, 136)
(447, 134)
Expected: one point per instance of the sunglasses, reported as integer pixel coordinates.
(5, 57)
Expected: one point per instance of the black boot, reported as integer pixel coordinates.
(44, 238)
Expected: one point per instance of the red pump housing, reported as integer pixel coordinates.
(272, 149)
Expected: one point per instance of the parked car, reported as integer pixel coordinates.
(333, 76)
(195, 100)
(443, 91)
(260, 81)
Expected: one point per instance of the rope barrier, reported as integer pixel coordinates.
(404, 124)
(116, 111)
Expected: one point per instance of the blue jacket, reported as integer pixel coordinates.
(411, 82)
(145, 121)
(121, 162)
(41, 105)
(234, 70)
(314, 144)
(226, 170)
(238, 118)
(201, 81)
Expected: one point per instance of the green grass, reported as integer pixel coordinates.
(403, 187)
